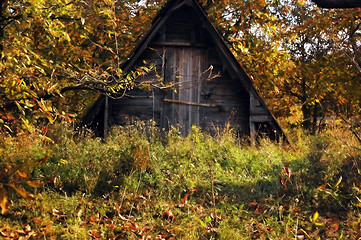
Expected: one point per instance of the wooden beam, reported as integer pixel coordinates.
(260, 118)
(338, 3)
(177, 44)
(189, 103)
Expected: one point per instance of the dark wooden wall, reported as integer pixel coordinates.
(201, 89)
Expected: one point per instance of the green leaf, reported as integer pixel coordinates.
(202, 223)
(208, 219)
(35, 184)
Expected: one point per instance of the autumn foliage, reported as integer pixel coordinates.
(56, 57)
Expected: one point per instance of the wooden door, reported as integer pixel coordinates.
(185, 69)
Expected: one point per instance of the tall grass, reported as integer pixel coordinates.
(215, 186)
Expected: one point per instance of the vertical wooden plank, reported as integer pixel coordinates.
(168, 78)
(164, 106)
(176, 108)
(173, 79)
(106, 116)
(195, 84)
(202, 67)
(180, 93)
(198, 83)
(188, 97)
(252, 125)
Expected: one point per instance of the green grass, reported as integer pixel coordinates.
(139, 183)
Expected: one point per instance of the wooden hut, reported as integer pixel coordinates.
(202, 82)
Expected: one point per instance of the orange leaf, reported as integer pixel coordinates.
(35, 184)
(3, 234)
(3, 200)
(168, 215)
(188, 194)
(23, 192)
(185, 198)
(22, 174)
(334, 227)
(68, 118)
(94, 234)
(322, 187)
(283, 184)
(132, 227)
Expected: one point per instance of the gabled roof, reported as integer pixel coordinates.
(227, 56)
(161, 19)
(224, 50)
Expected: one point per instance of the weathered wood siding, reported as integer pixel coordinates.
(202, 92)
(184, 70)
(140, 104)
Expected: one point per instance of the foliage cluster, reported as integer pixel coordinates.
(55, 54)
(138, 183)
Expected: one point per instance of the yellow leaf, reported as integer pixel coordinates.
(67, 37)
(47, 139)
(3, 200)
(35, 184)
(338, 182)
(315, 216)
(22, 192)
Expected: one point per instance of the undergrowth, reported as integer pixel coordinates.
(138, 184)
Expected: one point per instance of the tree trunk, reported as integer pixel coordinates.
(310, 114)
(314, 118)
(307, 116)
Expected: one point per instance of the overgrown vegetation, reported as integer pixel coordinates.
(59, 184)
(140, 184)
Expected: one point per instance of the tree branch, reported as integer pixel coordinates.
(89, 86)
(338, 3)
(351, 129)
